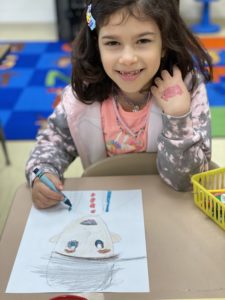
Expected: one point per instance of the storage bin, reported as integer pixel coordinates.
(206, 200)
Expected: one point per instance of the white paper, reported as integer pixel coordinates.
(40, 267)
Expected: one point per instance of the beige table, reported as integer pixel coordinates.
(186, 250)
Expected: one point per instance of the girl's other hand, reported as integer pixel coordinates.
(43, 196)
(171, 93)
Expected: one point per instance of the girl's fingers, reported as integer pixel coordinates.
(41, 201)
(165, 75)
(158, 81)
(57, 182)
(44, 197)
(176, 69)
(49, 194)
(154, 90)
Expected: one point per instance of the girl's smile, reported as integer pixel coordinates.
(130, 58)
(130, 75)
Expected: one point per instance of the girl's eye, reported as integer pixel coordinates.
(99, 244)
(143, 41)
(112, 43)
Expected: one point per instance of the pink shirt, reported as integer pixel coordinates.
(124, 132)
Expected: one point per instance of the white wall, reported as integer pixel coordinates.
(44, 10)
(23, 11)
(191, 9)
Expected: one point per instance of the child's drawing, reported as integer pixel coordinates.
(98, 246)
(81, 256)
(86, 237)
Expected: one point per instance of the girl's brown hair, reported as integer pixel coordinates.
(89, 80)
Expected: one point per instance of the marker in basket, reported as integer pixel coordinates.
(220, 197)
(50, 184)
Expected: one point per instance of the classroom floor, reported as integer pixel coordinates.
(13, 175)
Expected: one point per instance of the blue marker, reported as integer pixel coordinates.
(108, 199)
(50, 184)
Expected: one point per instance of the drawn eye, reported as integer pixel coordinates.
(71, 246)
(99, 244)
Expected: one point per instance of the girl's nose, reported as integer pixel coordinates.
(128, 57)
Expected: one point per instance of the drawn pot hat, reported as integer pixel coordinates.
(86, 237)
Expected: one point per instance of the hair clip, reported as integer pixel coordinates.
(90, 20)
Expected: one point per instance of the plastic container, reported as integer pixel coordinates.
(205, 199)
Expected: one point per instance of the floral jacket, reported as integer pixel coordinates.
(183, 144)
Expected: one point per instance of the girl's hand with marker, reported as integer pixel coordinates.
(171, 93)
(43, 196)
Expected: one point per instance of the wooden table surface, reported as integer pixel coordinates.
(186, 250)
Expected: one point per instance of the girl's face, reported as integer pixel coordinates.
(131, 51)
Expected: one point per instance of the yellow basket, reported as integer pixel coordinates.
(205, 200)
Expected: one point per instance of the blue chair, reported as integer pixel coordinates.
(205, 25)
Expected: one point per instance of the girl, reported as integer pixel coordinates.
(138, 84)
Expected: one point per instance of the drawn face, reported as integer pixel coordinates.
(87, 237)
(131, 51)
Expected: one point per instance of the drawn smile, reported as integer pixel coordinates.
(103, 251)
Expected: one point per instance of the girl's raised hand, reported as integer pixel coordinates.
(43, 196)
(171, 93)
